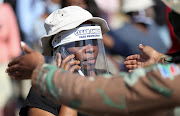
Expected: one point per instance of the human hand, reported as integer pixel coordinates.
(68, 63)
(148, 56)
(22, 67)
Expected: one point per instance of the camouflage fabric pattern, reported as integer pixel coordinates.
(165, 59)
(145, 91)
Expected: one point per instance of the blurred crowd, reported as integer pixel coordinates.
(132, 22)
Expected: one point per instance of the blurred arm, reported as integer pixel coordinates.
(111, 95)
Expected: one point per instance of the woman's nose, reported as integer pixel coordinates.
(89, 47)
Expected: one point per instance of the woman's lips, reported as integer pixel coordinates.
(90, 61)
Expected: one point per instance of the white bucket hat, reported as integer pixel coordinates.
(66, 19)
(136, 5)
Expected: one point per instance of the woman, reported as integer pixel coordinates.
(84, 44)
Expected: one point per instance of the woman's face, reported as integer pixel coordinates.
(86, 54)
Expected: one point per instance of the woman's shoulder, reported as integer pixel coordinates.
(37, 101)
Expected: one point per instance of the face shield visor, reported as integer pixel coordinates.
(86, 44)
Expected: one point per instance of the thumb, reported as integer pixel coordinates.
(141, 47)
(25, 48)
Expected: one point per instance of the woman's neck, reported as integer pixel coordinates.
(90, 73)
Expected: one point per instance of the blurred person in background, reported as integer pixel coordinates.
(175, 42)
(136, 26)
(110, 12)
(38, 25)
(141, 29)
(161, 21)
(89, 5)
(27, 12)
(172, 5)
(10, 48)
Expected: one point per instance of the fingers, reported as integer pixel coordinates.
(58, 63)
(75, 67)
(67, 59)
(71, 64)
(130, 62)
(141, 47)
(131, 66)
(26, 48)
(12, 68)
(18, 72)
(133, 57)
(16, 75)
(15, 61)
(15, 71)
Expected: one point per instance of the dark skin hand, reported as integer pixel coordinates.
(148, 56)
(22, 67)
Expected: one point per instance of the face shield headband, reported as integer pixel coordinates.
(77, 34)
(86, 44)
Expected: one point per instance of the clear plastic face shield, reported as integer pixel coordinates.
(86, 44)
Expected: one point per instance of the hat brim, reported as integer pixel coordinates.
(48, 49)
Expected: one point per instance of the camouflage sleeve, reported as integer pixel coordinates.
(165, 59)
(153, 87)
